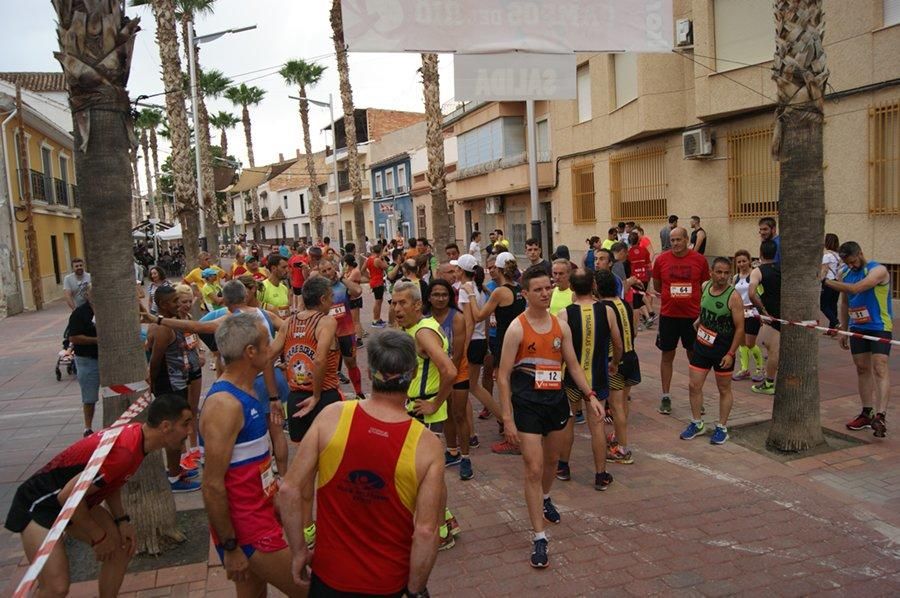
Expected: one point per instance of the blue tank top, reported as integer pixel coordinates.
(252, 442)
(872, 309)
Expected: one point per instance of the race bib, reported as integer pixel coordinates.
(706, 336)
(749, 312)
(860, 315)
(190, 341)
(681, 290)
(267, 478)
(547, 377)
(337, 310)
(283, 312)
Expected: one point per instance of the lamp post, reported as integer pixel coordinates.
(330, 105)
(193, 42)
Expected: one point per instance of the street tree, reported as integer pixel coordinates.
(245, 96)
(442, 217)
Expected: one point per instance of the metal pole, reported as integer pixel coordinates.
(196, 114)
(532, 170)
(337, 195)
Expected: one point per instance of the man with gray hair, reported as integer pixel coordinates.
(387, 543)
(239, 483)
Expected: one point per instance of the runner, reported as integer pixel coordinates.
(698, 236)
(720, 331)
(641, 269)
(535, 407)
(75, 285)
(612, 236)
(352, 274)
(108, 530)
(435, 374)
(768, 231)
(274, 294)
(82, 334)
(381, 538)
(376, 267)
(533, 252)
(341, 290)
(487, 374)
(195, 277)
(678, 275)
(238, 267)
(752, 323)
(259, 273)
(296, 263)
(767, 300)
(866, 308)
(238, 481)
(665, 242)
(594, 341)
(562, 291)
(211, 292)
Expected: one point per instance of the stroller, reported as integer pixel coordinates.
(65, 358)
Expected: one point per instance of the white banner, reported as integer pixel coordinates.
(483, 26)
(514, 76)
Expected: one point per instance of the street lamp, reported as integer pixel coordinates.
(193, 42)
(330, 105)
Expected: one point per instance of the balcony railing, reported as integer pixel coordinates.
(62, 192)
(51, 190)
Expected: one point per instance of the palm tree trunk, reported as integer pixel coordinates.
(102, 144)
(315, 203)
(182, 164)
(442, 217)
(157, 198)
(223, 143)
(254, 195)
(340, 48)
(801, 74)
(145, 150)
(136, 211)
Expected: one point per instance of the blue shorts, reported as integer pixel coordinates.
(262, 394)
(88, 373)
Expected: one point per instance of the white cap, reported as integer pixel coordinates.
(466, 261)
(504, 257)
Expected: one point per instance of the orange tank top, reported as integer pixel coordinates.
(300, 354)
(539, 349)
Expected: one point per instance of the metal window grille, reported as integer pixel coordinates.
(583, 196)
(752, 174)
(637, 185)
(884, 158)
(894, 271)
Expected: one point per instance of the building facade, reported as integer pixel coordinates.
(391, 198)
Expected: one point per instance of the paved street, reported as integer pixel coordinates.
(687, 518)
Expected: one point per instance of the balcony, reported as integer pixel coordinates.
(50, 190)
(61, 189)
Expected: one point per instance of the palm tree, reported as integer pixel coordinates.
(223, 121)
(441, 214)
(340, 48)
(801, 73)
(245, 96)
(136, 210)
(96, 61)
(147, 119)
(304, 75)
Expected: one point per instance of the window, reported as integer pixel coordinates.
(583, 92)
(583, 193)
(752, 174)
(401, 178)
(637, 184)
(348, 230)
(894, 271)
(285, 202)
(302, 204)
(744, 33)
(47, 165)
(543, 140)
(389, 181)
(891, 12)
(296, 230)
(625, 66)
(884, 158)
(378, 191)
(62, 183)
(421, 222)
(501, 138)
(517, 230)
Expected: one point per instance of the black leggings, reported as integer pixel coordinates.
(828, 303)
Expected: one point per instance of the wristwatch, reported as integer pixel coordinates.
(423, 594)
(230, 544)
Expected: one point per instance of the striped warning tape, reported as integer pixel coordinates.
(813, 324)
(84, 481)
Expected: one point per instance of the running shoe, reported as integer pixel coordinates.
(611, 440)
(505, 448)
(619, 455)
(465, 469)
(742, 375)
(87, 432)
(451, 524)
(181, 486)
(759, 375)
(191, 459)
(359, 343)
(693, 430)
(539, 558)
(378, 324)
(860, 422)
(450, 459)
(550, 512)
(665, 406)
(579, 417)
(563, 473)
(652, 319)
(485, 414)
(719, 435)
(309, 535)
(344, 379)
(878, 426)
(473, 441)
(447, 542)
(764, 388)
(602, 480)
(190, 474)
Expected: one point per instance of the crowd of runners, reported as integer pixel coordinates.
(541, 345)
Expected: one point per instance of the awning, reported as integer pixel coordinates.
(256, 176)
(172, 234)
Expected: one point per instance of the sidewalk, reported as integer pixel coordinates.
(687, 518)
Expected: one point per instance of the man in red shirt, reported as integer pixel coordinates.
(641, 267)
(108, 530)
(297, 261)
(678, 276)
(375, 267)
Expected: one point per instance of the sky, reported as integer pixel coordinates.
(286, 29)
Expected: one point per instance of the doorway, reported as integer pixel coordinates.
(547, 233)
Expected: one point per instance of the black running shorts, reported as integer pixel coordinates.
(540, 418)
(671, 330)
(299, 426)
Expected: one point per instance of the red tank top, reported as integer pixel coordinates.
(299, 352)
(376, 275)
(366, 497)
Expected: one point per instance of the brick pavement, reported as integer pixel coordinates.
(686, 519)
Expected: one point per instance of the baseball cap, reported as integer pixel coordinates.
(504, 257)
(466, 261)
(207, 272)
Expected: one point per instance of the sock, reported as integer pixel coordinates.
(756, 352)
(744, 357)
(699, 422)
(867, 411)
(666, 395)
(540, 536)
(453, 451)
(356, 379)
(718, 425)
(546, 497)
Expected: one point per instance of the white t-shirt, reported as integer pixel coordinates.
(475, 251)
(77, 286)
(464, 297)
(831, 259)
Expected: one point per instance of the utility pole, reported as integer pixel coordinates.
(31, 245)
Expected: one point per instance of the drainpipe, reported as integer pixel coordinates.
(12, 210)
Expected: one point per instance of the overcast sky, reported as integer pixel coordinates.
(286, 29)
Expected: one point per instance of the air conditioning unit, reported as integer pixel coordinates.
(684, 33)
(493, 204)
(697, 143)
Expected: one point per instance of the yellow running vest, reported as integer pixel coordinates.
(427, 381)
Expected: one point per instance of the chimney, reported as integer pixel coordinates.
(281, 157)
(298, 152)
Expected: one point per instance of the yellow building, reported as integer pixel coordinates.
(51, 171)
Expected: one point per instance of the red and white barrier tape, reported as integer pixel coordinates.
(815, 326)
(84, 481)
